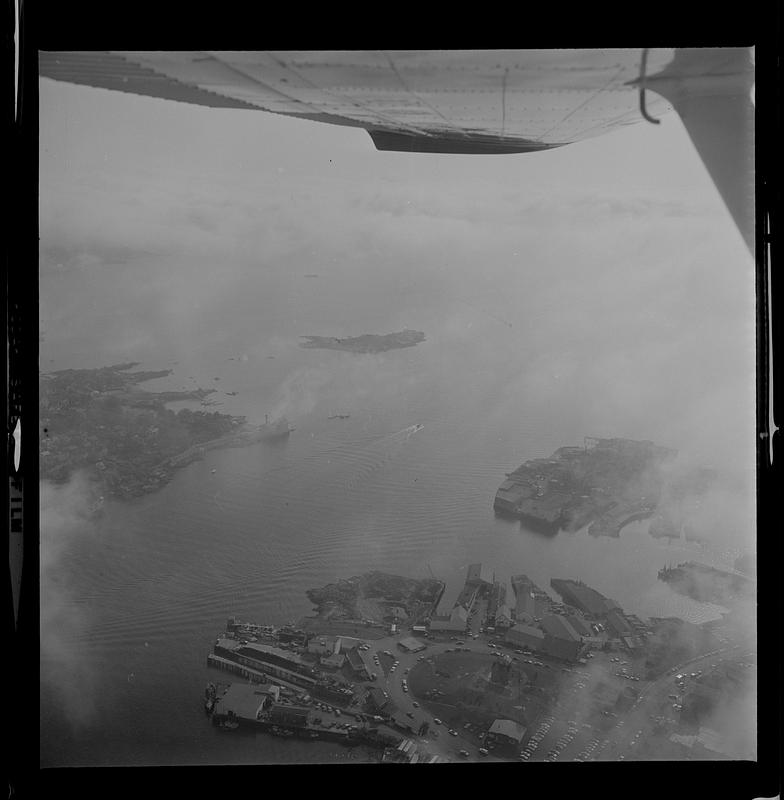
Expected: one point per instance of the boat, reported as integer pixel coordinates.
(96, 508)
(279, 429)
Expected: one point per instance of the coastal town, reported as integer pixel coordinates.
(500, 676)
(124, 437)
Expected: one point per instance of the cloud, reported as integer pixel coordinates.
(64, 520)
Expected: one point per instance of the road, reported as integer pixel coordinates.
(617, 738)
(445, 744)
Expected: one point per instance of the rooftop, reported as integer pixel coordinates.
(242, 699)
(560, 628)
(508, 728)
(527, 630)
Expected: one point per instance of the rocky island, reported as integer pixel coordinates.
(366, 343)
(126, 439)
(375, 598)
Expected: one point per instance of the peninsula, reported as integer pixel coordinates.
(367, 342)
(100, 421)
(375, 597)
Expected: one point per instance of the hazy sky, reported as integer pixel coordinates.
(616, 254)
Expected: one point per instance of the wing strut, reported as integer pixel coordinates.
(711, 91)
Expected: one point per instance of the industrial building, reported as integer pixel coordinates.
(503, 617)
(560, 627)
(267, 659)
(509, 496)
(579, 624)
(583, 597)
(561, 639)
(284, 714)
(479, 574)
(453, 623)
(243, 702)
(525, 636)
(618, 625)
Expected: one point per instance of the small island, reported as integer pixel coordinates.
(707, 584)
(124, 437)
(366, 343)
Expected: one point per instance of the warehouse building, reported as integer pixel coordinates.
(454, 623)
(243, 702)
(509, 496)
(525, 636)
(479, 575)
(561, 640)
(579, 624)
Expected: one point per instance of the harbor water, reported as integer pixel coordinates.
(132, 599)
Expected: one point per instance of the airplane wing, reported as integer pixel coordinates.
(456, 101)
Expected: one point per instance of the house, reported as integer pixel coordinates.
(507, 731)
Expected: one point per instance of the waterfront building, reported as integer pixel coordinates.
(579, 624)
(583, 597)
(479, 574)
(282, 714)
(618, 624)
(525, 636)
(269, 660)
(454, 623)
(243, 702)
(561, 639)
(563, 649)
(559, 627)
(510, 494)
